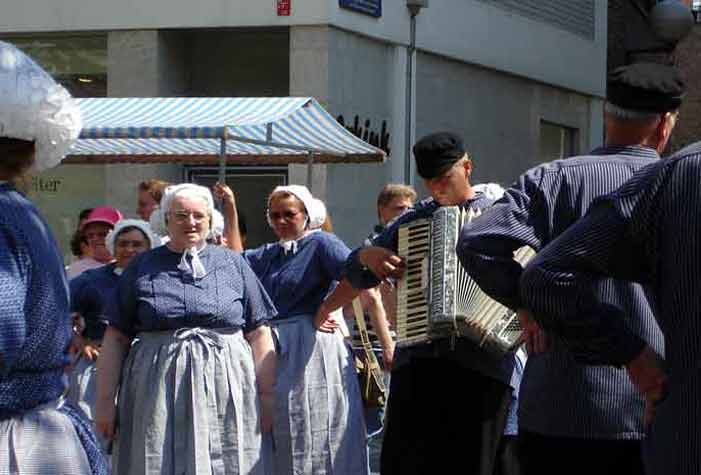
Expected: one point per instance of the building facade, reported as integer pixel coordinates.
(522, 80)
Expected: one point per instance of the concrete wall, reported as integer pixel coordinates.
(498, 114)
(482, 33)
(469, 30)
(351, 75)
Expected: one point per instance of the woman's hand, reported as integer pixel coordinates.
(324, 321)
(224, 193)
(90, 351)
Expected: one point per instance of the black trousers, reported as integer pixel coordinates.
(442, 419)
(543, 455)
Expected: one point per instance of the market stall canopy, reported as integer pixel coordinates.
(197, 130)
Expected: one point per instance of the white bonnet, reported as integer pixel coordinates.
(143, 226)
(217, 228)
(34, 107)
(493, 191)
(316, 210)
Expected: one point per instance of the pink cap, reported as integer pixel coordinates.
(102, 214)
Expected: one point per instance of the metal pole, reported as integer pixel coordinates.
(310, 164)
(409, 103)
(222, 160)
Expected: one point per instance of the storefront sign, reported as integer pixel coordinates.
(368, 7)
(284, 7)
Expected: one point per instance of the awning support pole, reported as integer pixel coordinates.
(310, 169)
(222, 160)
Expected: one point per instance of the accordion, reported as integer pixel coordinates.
(436, 298)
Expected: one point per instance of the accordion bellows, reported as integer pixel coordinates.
(437, 299)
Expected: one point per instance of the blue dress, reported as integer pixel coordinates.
(34, 338)
(188, 400)
(318, 424)
(90, 293)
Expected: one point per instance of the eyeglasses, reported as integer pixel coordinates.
(184, 216)
(287, 215)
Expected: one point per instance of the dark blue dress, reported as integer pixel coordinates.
(36, 324)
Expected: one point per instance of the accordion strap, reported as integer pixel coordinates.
(370, 358)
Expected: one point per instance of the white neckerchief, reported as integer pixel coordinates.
(196, 268)
(292, 245)
(118, 270)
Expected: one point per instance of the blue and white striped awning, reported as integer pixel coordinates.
(255, 131)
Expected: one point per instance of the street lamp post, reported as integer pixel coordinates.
(414, 7)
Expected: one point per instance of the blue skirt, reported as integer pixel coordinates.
(318, 427)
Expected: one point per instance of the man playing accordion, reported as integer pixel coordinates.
(448, 397)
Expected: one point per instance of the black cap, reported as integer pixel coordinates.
(646, 87)
(437, 153)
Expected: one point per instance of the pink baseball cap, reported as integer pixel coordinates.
(103, 214)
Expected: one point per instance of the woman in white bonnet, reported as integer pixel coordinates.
(318, 424)
(188, 331)
(40, 432)
(90, 294)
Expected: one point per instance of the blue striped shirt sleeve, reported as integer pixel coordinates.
(522, 217)
(559, 286)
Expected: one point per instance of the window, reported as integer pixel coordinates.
(556, 141)
(79, 63)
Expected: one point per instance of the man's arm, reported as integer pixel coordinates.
(520, 218)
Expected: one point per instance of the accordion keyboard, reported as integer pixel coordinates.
(414, 245)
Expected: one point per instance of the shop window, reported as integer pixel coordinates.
(77, 62)
(556, 141)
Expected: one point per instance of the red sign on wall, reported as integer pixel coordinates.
(284, 7)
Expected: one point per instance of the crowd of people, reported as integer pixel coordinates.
(167, 346)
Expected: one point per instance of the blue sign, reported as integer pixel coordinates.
(368, 7)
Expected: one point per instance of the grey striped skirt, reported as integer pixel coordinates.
(188, 404)
(319, 426)
(42, 441)
(81, 386)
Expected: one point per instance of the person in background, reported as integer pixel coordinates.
(95, 228)
(188, 331)
(150, 193)
(392, 201)
(79, 245)
(40, 431)
(90, 293)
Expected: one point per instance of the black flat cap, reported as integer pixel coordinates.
(437, 153)
(646, 87)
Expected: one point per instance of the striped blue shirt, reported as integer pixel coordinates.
(648, 231)
(561, 397)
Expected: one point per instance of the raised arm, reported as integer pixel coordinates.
(232, 233)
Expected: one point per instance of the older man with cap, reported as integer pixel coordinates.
(448, 403)
(95, 228)
(575, 418)
(646, 231)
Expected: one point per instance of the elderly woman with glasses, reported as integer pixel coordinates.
(40, 432)
(318, 425)
(188, 330)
